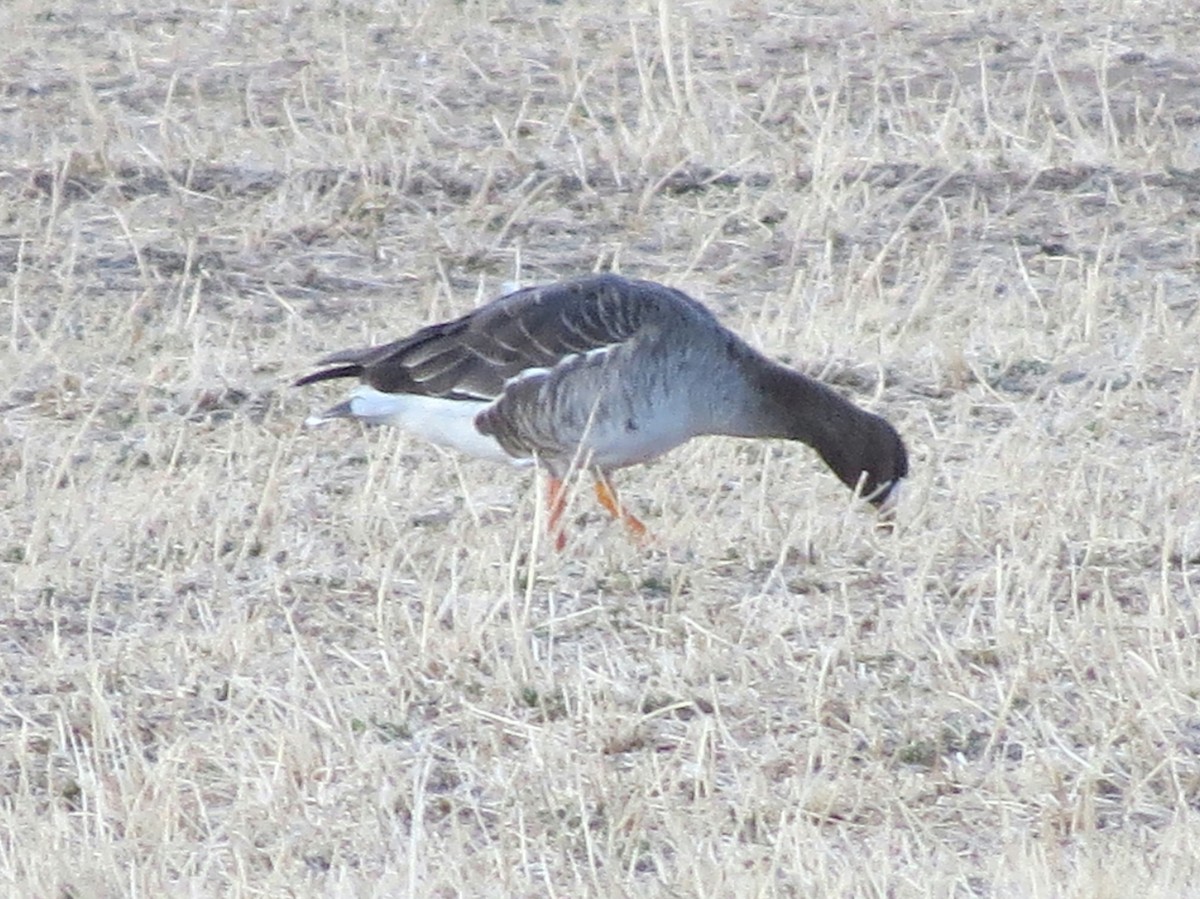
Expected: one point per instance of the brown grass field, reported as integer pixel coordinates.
(243, 658)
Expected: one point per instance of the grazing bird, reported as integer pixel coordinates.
(598, 373)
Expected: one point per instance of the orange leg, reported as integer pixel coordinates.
(606, 493)
(556, 504)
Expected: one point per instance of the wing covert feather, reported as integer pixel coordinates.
(538, 327)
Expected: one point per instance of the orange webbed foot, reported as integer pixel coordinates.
(607, 495)
(556, 504)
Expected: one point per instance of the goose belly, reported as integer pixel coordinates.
(634, 439)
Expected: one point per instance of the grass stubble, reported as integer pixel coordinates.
(241, 658)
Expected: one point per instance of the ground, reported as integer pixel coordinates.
(241, 657)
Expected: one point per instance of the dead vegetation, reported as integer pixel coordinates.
(244, 659)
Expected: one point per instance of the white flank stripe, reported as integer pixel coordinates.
(526, 373)
(597, 352)
(540, 371)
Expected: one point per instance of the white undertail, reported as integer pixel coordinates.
(445, 422)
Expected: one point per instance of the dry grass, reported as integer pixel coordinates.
(240, 658)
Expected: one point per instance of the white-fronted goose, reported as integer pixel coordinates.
(601, 372)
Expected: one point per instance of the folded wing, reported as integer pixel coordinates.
(473, 357)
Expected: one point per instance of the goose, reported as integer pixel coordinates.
(601, 372)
